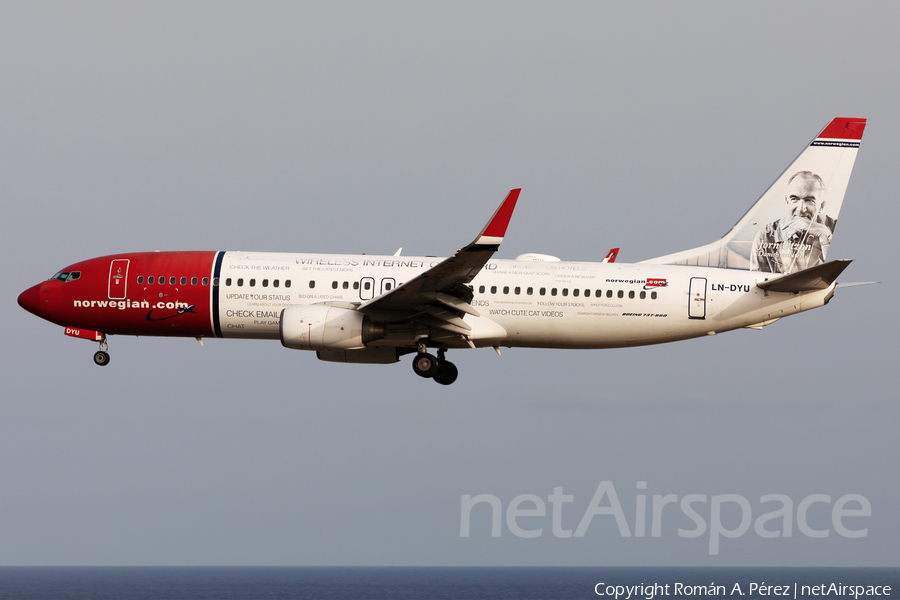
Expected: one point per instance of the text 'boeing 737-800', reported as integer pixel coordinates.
(374, 309)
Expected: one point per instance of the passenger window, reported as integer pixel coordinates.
(587, 293)
(529, 291)
(621, 294)
(565, 291)
(150, 279)
(368, 285)
(228, 282)
(480, 289)
(553, 292)
(387, 287)
(184, 281)
(287, 283)
(265, 282)
(653, 295)
(543, 291)
(312, 284)
(643, 295)
(599, 293)
(575, 292)
(171, 281)
(161, 280)
(240, 281)
(609, 293)
(275, 283)
(346, 285)
(140, 279)
(493, 289)
(334, 285)
(355, 285)
(518, 290)
(252, 283)
(631, 294)
(505, 289)
(193, 281)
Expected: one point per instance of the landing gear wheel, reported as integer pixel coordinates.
(425, 365)
(447, 373)
(101, 358)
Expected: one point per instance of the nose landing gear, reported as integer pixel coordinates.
(438, 368)
(101, 357)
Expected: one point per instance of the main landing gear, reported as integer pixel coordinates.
(438, 368)
(101, 357)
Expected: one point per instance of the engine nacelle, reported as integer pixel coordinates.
(319, 327)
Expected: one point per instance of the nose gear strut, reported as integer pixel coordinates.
(101, 357)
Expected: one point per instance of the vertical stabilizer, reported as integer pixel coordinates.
(790, 227)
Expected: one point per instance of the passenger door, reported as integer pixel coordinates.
(697, 298)
(118, 279)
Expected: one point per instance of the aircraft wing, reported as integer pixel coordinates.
(440, 296)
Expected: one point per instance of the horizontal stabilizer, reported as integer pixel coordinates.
(814, 278)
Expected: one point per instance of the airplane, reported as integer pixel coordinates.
(375, 309)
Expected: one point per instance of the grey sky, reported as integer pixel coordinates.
(363, 127)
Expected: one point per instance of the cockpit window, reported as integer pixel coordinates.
(66, 276)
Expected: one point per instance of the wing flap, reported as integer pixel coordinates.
(436, 323)
(447, 316)
(451, 302)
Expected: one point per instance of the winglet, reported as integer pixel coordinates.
(492, 234)
(611, 256)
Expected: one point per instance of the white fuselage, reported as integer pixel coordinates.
(537, 304)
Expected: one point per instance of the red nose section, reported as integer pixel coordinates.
(30, 299)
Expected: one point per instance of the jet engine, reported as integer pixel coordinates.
(320, 327)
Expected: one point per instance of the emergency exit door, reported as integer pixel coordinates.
(366, 288)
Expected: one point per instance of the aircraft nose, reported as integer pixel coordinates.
(30, 299)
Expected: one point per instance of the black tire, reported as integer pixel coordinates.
(447, 373)
(101, 358)
(425, 365)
